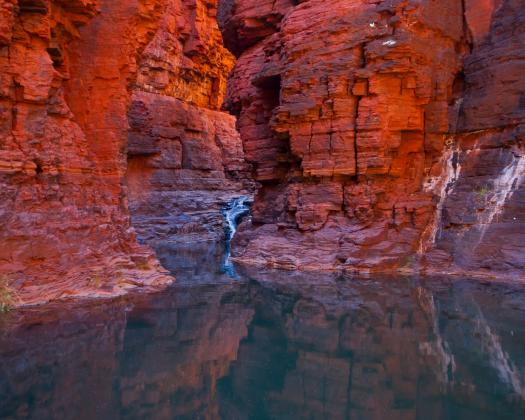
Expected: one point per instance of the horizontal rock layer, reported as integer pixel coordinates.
(185, 156)
(68, 71)
(366, 119)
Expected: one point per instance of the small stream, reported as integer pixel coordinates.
(233, 213)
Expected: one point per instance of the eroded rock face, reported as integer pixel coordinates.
(349, 114)
(482, 225)
(185, 156)
(384, 135)
(64, 94)
(104, 100)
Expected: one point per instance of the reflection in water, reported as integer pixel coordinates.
(273, 345)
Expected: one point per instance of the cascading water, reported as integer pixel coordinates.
(233, 213)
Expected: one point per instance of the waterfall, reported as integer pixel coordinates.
(233, 213)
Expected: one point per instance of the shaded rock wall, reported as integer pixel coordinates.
(185, 156)
(349, 115)
(482, 221)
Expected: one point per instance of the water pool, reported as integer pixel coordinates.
(271, 345)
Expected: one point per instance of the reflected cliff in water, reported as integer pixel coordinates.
(273, 345)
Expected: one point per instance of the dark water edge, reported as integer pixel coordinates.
(271, 345)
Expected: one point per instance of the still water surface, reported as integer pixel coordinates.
(271, 345)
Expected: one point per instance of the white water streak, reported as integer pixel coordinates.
(504, 186)
(238, 207)
(442, 186)
(233, 213)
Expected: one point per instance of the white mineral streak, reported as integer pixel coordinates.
(504, 186)
(442, 186)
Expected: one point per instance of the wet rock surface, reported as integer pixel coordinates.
(483, 223)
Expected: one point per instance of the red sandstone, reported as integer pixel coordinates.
(69, 73)
(371, 126)
(384, 136)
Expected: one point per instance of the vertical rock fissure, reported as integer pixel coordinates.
(361, 65)
(356, 137)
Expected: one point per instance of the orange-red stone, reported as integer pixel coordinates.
(367, 124)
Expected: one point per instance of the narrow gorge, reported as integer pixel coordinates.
(372, 136)
(262, 209)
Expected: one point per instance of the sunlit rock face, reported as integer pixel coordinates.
(64, 74)
(185, 156)
(104, 104)
(355, 117)
(384, 134)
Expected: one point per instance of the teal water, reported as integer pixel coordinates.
(271, 345)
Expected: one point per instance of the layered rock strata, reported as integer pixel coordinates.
(185, 156)
(361, 120)
(66, 80)
(481, 220)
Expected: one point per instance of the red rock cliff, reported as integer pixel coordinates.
(369, 124)
(104, 100)
(383, 134)
(481, 212)
(68, 73)
(63, 99)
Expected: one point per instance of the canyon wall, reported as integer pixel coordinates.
(185, 156)
(481, 224)
(104, 104)
(79, 80)
(64, 69)
(385, 134)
